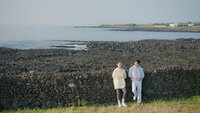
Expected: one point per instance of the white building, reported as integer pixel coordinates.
(173, 25)
(190, 25)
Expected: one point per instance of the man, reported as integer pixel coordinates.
(136, 74)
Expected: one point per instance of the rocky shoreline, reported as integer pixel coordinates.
(154, 29)
(101, 55)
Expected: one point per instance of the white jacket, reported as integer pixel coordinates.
(137, 71)
(119, 83)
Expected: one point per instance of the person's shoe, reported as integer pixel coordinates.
(134, 97)
(138, 105)
(119, 104)
(123, 103)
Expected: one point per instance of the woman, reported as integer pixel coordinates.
(119, 76)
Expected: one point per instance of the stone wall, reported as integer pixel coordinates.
(44, 90)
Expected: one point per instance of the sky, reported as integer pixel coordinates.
(96, 12)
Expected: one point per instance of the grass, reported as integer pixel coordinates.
(190, 105)
(150, 26)
(191, 28)
(145, 25)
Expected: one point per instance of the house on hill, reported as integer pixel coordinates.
(173, 25)
(190, 25)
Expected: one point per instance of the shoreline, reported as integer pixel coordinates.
(152, 29)
(103, 55)
(156, 30)
(82, 45)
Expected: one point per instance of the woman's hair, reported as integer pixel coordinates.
(118, 63)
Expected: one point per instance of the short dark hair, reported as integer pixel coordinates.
(138, 61)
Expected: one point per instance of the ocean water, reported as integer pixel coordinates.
(45, 37)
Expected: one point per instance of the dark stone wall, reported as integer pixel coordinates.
(46, 90)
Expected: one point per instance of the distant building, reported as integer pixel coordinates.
(173, 25)
(190, 25)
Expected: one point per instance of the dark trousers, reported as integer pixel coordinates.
(118, 93)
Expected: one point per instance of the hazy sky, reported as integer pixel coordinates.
(95, 12)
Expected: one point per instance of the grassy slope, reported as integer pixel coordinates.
(191, 105)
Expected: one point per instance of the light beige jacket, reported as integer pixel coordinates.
(119, 82)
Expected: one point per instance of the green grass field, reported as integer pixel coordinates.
(149, 26)
(190, 105)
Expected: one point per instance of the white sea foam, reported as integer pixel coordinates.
(43, 44)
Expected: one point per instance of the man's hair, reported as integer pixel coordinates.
(138, 61)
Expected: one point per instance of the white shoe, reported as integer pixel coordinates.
(119, 104)
(123, 103)
(134, 97)
(138, 105)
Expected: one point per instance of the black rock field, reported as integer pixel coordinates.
(101, 55)
(48, 78)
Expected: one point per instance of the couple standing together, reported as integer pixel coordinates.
(136, 74)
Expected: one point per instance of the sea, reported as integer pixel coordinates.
(68, 37)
